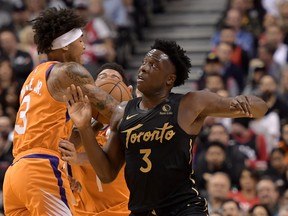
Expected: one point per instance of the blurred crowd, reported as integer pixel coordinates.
(241, 165)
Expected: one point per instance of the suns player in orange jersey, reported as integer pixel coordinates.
(96, 198)
(37, 183)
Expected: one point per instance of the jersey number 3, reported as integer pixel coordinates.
(146, 153)
(22, 115)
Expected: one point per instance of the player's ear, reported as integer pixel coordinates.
(171, 79)
(130, 87)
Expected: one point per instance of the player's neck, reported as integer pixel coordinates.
(148, 103)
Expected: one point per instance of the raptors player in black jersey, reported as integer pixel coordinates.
(154, 134)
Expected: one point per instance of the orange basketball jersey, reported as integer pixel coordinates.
(41, 121)
(97, 198)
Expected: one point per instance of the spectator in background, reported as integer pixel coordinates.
(243, 38)
(266, 52)
(269, 91)
(234, 158)
(218, 187)
(212, 65)
(283, 143)
(230, 70)
(270, 124)
(9, 89)
(116, 11)
(268, 194)
(6, 157)
(20, 15)
(283, 211)
(239, 56)
(27, 44)
(283, 90)
(99, 38)
(256, 72)
(284, 198)
(259, 210)
(22, 62)
(246, 196)
(274, 36)
(277, 168)
(231, 207)
(214, 82)
(214, 160)
(250, 144)
(283, 19)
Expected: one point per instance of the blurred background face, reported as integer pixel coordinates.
(277, 161)
(266, 192)
(215, 156)
(8, 41)
(214, 83)
(259, 211)
(267, 86)
(228, 36)
(218, 133)
(218, 186)
(274, 35)
(224, 52)
(230, 209)
(233, 19)
(269, 20)
(6, 72)
(247, 182)
(285, 133)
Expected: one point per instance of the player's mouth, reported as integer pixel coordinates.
(140, 78)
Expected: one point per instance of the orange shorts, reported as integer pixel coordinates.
(37, 184)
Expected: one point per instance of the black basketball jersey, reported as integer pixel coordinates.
(158, 157)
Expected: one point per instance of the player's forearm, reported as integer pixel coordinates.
(101, 101)
(82, 158)
(97, 157)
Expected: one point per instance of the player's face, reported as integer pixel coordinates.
(75, 50)
(110, 74)
(154, 73)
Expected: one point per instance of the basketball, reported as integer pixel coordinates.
(117, 89)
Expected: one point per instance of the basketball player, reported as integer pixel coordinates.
(154, 134)
(36, 183)
(96, 198)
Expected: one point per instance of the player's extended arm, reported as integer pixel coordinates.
(109, 161)
(64, 74)
(212, 104)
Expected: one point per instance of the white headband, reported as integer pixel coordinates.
(66, 38)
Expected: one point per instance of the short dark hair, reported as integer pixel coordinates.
(116, 67)
(178, 58)
(251, 210)
(52, 23)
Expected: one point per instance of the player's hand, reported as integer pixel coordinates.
(68, 152)
(241, 105)
(79, 107)
(74, 184)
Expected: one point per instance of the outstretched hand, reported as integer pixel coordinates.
(241, 105)
(79, 107)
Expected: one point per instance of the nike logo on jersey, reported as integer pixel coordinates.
(131, 116)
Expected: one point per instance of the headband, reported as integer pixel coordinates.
(66, 39)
